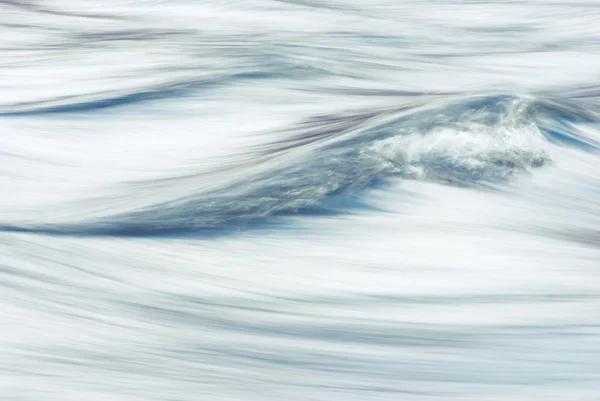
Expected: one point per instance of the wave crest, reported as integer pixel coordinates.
(474, 142)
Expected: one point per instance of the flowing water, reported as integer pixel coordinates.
(299, 200)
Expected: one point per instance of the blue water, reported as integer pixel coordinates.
(297, 200)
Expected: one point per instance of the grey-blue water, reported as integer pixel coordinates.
(299, 200)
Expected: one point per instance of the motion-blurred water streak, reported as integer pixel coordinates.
(299, 200)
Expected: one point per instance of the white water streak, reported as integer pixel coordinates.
(470, 273)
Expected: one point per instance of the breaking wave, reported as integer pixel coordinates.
(327, 164)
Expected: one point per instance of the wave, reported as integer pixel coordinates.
(325, 165)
